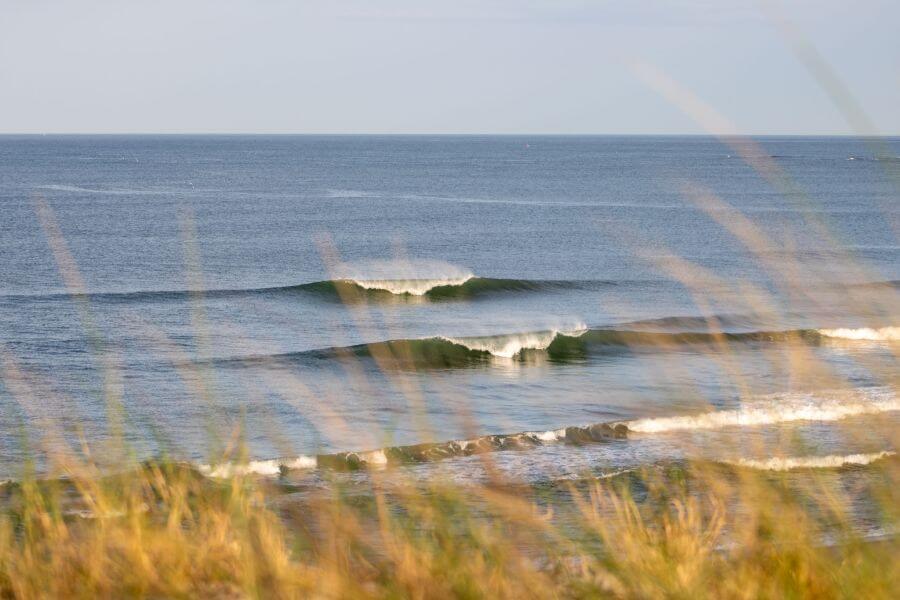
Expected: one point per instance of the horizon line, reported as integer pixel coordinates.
(437, 133)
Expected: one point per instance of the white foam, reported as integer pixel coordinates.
(810, 462)
(548, 436)
(464, 444)
(415, 278)
(881, 334)
(780, 409)
(413, 287)
(373, 457)
(257, 467)
(509, 345)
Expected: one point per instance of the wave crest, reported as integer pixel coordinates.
(881, 334)
(778, 410)
(510, 345)
(402, 277)
(257, 467)
(412, 287)
(789, 463)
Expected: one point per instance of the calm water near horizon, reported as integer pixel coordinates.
(523, 284)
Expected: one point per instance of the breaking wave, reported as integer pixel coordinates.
(769, 410)
(789, 463)
(257, 467)
(346, 290)
(402, 277)
(882, 334)
(508, 346)
(411, 287)
(779, 409)
(438, 352)
(419, 453)
(461, 288)
(563, 344)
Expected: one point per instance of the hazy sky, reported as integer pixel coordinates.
(454, 66)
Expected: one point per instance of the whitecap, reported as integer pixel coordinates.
(549, 436)
(779, 409)
(413, 277)
(788, 463)
(257, 467)
(511, 344)
(373, 457)
(881, 334)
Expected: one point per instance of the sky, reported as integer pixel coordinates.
(448, 66)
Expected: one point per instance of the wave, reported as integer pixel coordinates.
(510, 345)
(411, 287)
(419, 453)
(771, 410)
(257, 467)
(882, 334)
(438, 352)
(402, 277)
(344, 290)
(573, 343)
(789, 463)
(778, 409)
(468, 287)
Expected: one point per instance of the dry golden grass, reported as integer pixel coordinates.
(164, 531)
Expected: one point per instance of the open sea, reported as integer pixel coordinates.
(567, 305)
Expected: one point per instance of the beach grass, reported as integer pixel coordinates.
(693, 530)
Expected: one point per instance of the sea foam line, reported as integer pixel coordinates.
(780, 410)
(831, 461)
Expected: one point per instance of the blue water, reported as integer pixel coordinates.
(181, 278)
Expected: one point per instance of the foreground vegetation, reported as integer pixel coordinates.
(688, 531)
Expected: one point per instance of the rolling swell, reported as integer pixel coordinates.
(339, 290)
(556, 345)
(437, 352)
(351, 290)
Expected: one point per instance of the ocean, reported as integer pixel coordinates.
(566, 305)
